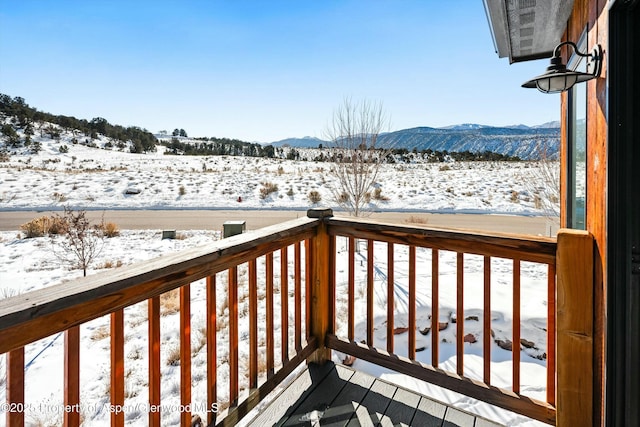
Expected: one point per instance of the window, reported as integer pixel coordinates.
(577, 144)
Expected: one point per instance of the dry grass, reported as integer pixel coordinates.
(101, 333)
(110, 229)
(111, 264)
(170, 302)
(173, 356)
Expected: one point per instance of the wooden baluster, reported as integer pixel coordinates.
(390, 296)
(72, 376)
(486, 317)
(15, 386)
(269, 309)
(253, 324)
(284, 303)
(307, 284)
(298, 296)
(551, 335)
(117, 368)
(153, 309)
(460, 314)
(435, 307)
(370, 292)
(233, 336)
(351, 280)
(212, 350)
(412, 302)
(515, 346)
(331, 281)
(185, 353)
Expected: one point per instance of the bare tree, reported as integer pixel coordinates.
(543, 182)
(354, 132)
(79, 243)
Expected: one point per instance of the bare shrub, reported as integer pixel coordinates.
(57, 226)
(314, 196)
(36, 227)
(267, 189)
(377, 194)
(110, 229)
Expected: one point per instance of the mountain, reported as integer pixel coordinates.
(526, 142)
(554, 124)
(464, 126)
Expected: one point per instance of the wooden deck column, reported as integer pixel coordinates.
(575, 332)
(320, 257)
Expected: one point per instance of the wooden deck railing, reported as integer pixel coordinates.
(302, 324)
(515, 249)
(65, 308)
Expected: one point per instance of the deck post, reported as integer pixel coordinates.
(320, 257)
(575, 332)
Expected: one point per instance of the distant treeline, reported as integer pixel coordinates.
(234, 147)
(25, 118)
(442, 156)
(218, 147)
(142, 141)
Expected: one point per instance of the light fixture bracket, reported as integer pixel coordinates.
(558, 79)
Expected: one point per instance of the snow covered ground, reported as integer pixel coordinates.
(99, 178)
(96, 178)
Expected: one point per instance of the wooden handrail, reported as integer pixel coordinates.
(31, 316)
(505, 245)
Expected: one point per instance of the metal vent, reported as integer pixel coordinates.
(527, 18)
(526, 32)
(524, 4)
(526, 43)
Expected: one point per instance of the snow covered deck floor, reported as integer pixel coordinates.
(340, 396)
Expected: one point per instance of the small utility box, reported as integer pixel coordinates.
(231, 228)
(168, 234)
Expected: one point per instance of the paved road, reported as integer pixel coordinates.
(213, 219)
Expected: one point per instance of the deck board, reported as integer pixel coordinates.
(337, 396)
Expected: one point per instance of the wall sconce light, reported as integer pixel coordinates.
(558, 78)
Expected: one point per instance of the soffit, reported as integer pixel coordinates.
(527, 29)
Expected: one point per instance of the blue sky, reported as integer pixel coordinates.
(263, 70)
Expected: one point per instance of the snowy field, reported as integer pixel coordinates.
(96, 178)
(99, 178)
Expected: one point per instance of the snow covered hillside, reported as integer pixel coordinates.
(96, 175)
